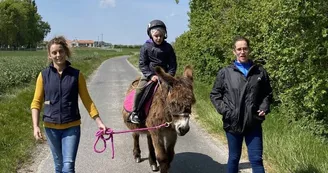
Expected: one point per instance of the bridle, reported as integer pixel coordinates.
(185, 115)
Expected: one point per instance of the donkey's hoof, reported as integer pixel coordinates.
(154, 168)
(138, 159)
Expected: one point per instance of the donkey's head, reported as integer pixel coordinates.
(180, 98)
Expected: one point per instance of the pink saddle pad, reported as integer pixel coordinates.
(129, 102)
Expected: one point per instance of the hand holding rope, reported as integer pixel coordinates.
(100, 134)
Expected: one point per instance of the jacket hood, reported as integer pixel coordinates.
(152, 42)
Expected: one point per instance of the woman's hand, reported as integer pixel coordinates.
(100, 124)
(102, 127)
(154, 78)
(35, 121)
(37, 133)
(261, 113)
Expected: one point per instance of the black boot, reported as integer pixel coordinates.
(137, 115)
(134, 117)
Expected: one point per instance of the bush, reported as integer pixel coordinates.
(290, 35)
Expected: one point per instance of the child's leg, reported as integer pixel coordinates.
(134, 116)
(139, 90)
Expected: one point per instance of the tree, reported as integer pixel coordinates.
(20, 24)
(13, 19)
(290, 35)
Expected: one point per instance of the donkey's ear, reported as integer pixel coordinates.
(164, 76)
(188, 72)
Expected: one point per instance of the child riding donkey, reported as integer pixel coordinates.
(155, 52)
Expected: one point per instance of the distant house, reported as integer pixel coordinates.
(86, 43)
(80, 43)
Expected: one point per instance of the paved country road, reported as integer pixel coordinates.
(196, 152)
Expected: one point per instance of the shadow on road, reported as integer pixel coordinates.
(197, 162)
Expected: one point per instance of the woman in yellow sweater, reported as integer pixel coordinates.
(57, 88)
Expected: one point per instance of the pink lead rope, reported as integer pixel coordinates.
(110, 133)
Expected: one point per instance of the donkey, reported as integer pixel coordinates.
(171, 104)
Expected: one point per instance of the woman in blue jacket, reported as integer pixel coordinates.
(242, 95)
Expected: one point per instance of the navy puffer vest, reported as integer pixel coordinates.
(61, 95)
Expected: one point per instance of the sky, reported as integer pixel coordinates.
(113, 21)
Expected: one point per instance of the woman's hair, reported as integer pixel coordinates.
(240, 38)
(62, 41)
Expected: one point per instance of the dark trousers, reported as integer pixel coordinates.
(254, 143)
(139, 90)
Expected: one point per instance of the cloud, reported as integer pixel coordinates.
(107, 3)
(171, 15)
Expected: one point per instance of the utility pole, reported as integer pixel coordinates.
(102, 41)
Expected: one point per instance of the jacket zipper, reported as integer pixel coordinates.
(243, 93)
(60, 98)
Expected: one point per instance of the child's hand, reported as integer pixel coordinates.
(154, 78)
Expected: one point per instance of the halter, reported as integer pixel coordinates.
(185, 115)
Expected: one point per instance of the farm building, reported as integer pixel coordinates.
(81, 43)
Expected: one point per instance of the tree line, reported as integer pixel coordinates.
(291, 36)
(20, 24)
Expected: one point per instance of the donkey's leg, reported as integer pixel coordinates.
(136, 147)
(161, 156)
(170, 143)
(152, 157)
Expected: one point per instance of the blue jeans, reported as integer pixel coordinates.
(254, 143)
(64, 144)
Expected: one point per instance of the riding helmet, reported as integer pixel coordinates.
(154, 24)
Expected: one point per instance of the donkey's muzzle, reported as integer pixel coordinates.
(183, 131)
